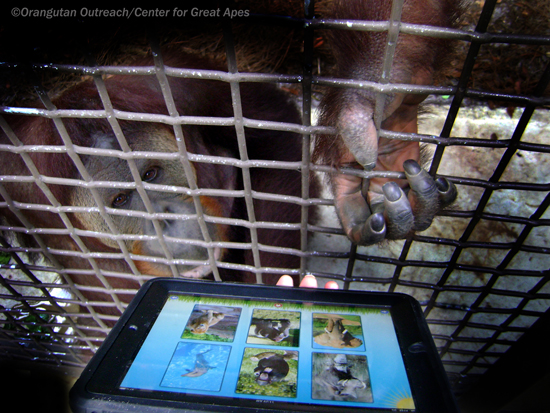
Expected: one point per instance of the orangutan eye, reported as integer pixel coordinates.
(150, 174)
(120, 200)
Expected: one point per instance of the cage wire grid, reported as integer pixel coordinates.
(40, 316)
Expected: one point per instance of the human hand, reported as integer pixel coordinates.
(309, 281)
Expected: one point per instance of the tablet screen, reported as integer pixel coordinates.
(277, 354)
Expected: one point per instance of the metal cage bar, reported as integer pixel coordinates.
(470, 340)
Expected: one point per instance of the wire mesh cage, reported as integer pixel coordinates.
(480, 272)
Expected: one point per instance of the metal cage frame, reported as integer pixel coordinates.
(43, 324)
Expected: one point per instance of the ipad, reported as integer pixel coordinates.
(206, 346)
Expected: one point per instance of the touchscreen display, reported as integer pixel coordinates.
(273, 352)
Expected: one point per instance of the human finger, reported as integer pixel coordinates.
(285, 281)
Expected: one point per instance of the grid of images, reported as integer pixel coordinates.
(271, 372)
(274, 351)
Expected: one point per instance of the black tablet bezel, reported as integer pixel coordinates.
(98, 386)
